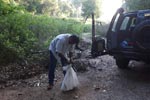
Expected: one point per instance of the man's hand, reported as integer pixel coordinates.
(78, 48)
(64, 60)
(70, 57)
(71, 61)
(70, 54)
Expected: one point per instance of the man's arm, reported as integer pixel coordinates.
(59, 49)
(70, 57)
(77, 47)
(64, 60)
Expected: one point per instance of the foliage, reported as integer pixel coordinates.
(25, 33)
(9, 7)
(68, 8)
(88, 7)
(137, 4)
(7, 55)
(22, 33)
(49, 7)
(91, 6)
(98, 4)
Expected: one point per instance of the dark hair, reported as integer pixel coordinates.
(75, 38)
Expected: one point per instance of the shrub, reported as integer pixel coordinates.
(24, 33)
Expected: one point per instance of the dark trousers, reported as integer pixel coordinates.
(52, 66)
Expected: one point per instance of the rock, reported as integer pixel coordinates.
(38, 84)
(99, 69)
(81, 65)
(20, 93)
(76, 97)
(51, 98)
(96, 87)
(77, 54)
(104, 90)
(55, 80)
(2, 87)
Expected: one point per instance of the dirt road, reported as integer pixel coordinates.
(100, 79)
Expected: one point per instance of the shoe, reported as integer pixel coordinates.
(49, 87)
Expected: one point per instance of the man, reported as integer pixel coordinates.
(60, 46)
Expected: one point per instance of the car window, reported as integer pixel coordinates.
(115, 23)
(133, 22)
(124, 23)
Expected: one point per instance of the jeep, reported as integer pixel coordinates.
(128, 38)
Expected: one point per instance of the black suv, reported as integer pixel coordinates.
(128, 38)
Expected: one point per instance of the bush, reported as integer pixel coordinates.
(24, 33)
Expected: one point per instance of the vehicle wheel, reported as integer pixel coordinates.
(122, 63)
(141, 35)
(147, 62)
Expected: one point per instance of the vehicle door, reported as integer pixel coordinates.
(112, 33)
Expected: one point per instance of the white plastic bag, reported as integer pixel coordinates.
(70, 80)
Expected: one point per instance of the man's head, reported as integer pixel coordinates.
(73, 39)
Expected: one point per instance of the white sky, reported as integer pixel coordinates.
(109, 7)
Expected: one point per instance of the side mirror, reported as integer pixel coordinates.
(98, 47)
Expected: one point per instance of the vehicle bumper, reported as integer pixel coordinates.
(131, 55)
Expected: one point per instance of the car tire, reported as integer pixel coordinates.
(141, 32)
(122, 63)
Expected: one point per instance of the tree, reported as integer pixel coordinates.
(137, 4)
(77, 4)
(91, 6)
(66, 9)
(98, 4)
(9, 6)
(88, 7)
(49, 7)
(30, 5)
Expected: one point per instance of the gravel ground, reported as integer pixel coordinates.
(99, 78)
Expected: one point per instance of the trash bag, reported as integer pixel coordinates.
(70, 80)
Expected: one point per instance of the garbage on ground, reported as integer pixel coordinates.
(70, 80)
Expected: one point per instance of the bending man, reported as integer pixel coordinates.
(60, 46)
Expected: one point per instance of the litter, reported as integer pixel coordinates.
(70, 80)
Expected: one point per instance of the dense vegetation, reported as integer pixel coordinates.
(22, 33)
(133, 5)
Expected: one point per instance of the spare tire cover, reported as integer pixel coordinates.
(141, 35)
